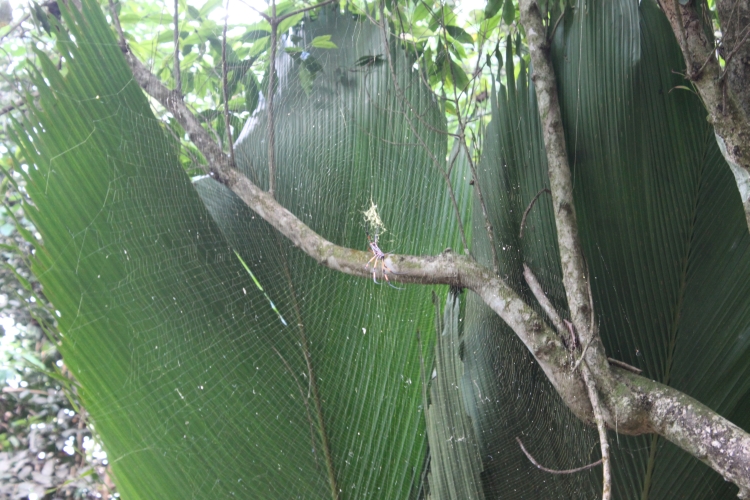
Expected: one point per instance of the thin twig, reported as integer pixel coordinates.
(554, 28)
(312, 387)
(472, 167)
(300, 11)
(547, 307)
(528, 209)
(583, 354)
(734, 51)
(624, 366)
(302, 396)
(269, 104)
(601, 427)
(555, 471)
(408, 120)
(227, 125)
(177, 76)
(560, 177)
(593, 330)
(279, 19)
(118, 26)
(10, 107)
(18, 23)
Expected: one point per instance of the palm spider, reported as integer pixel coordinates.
(379, 256)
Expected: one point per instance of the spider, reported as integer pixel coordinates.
(379, 256)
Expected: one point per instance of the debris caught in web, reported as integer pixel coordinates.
(373, 224)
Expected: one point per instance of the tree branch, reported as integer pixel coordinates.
(555, 471)
(227, 124)
(269, 102)
(177, 75)
(694, 427)
(641, 405)
(723, 102)
(601, 428)
(561, 185)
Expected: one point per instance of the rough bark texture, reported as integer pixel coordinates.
(726, 102)
(641, 405)
(734, 17)
(694, 427)
(561, 184)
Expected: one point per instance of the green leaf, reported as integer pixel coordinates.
(306, 79)
(455, 456)
(459, 34)
(260, 45)
(197, 387)
(193, 13)
(444, 16)
(165, 36)
(41, 16)
(209, 6)
(255, 34)
(252, 92)
(314, 150)
(323, 42)
(458, 76)
(509, 12)
(289, 22)
(492, 8)
(421, 11)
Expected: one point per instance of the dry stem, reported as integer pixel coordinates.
(555, 471)
(602, 428)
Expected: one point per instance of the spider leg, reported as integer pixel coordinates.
(385, 267)
(374, 266)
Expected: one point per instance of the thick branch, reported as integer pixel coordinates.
(172, 101)
(692, 426)
(639, 404)
(722, 101)
(575, 278)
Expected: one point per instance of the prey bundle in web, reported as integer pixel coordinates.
(373, 223)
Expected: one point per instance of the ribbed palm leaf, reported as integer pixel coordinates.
(264, 375)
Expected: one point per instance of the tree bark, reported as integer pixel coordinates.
(734, 18)
(725, 95)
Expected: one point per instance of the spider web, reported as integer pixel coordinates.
(218, 360)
